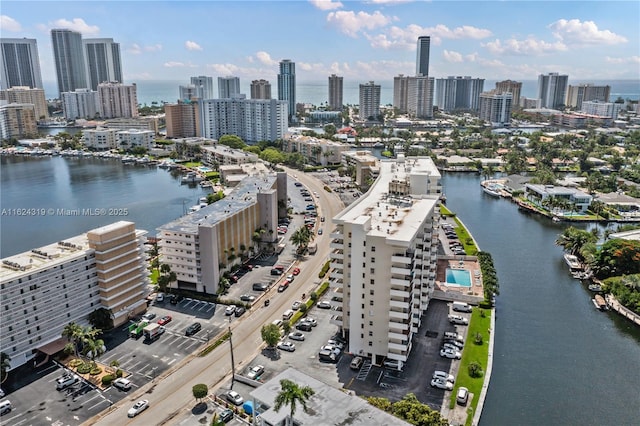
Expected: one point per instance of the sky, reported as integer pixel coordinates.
(359, 40)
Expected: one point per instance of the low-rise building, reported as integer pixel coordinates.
(575, 199)
(322, 152)
(218, 154)
(366, 164)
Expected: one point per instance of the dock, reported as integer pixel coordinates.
(616, 306)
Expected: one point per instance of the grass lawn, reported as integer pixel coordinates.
(154, 276)
(473, 352)
(465, 238)
(193, 164)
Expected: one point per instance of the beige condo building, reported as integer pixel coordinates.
(27, 95)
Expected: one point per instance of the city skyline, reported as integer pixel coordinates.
(373, 40)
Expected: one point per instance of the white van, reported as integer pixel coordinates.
(461, 307)
(5, 407)
(286, 315)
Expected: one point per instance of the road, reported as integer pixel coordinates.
(171, 393)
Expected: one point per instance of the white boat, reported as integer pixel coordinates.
(573, 262)
(492, 188)
(191, 177)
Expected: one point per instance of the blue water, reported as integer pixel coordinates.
(460, 277)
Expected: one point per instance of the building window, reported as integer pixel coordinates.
(363, 275)
(364, 264)
(370, 302)
(371, 281)
(372, 270)
(363, 306)
(373, 248)
(371, 333)
(373, 259)
(370, 343)
(371, 292)
(371, 323)
(361, 336)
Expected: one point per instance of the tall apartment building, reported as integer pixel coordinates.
(68, 55)
(336, 92)
(580, 93)
(47, 288)
(383, 260)
(103, 61)
(552, 90)
(20, 63)
(495, 107)
(260, 89)
(228, 87)
(422, 56)
(401, 93)
(117, 100)
(81, 103)
(513, 87)
(181, 120)
(420, 91)
(201, 245)
(253, 120)
(204, 86)
(369, 101)
(287, 86)
(17, 121)
(601, 109)
(188, 92)
(459, 93)
(27, 95)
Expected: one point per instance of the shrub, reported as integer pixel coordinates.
(84, 368)
(475, 370)
(75, 363)
(303, 308)
(106, 380)
(324, 270)
(119, 373)
(478, 339)
(95, 371)
(326, 188)
(314, 296)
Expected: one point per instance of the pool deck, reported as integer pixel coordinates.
(469, 263)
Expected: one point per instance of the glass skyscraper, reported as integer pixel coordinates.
(68, 56)
(104, 64)
(287, 86)
(422, 56)
(20, 63)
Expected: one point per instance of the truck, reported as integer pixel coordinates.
(152, 331)
(313, 248)
(135, 330)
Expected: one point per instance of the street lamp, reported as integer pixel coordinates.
(233, 367)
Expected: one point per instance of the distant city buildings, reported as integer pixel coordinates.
(102, 57)
(81, 103)
(422, 56)
(46, 288)
(17, 120)
(369, 101)
(420, 91)
(117, 100)
(601, 109)
(260, 89)
(287, 86)
(580, 93)
(400, 93)
(20, 63)
(228, 87)
(68, 55)
(27, 95)
(552, 90)
(513, 87)
(336, 91)
(181, 120)
(102, 139)
(495, 107)
(321, 152)
(459, 93)
(204, 86)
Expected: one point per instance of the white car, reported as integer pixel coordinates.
(333, 349)
(393, 364)
(296, 335)
(324, 304)
(287, 346)
(443, 375)
(453, 335)
(138, 408)
(441, 384)
(66, 381)
(230, 310)
(234, 397)
(451, 347)
(160, 297)
(122, 384)
(458, 319)
(449, 353)
(255, 372)
(335, 343)
(148, 316)
(296, 305)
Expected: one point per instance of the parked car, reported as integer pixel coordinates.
(66, 381)
(453, 335)
(443, 375)
(327, 356)
(462, 396)
(457, 343)
(148, 316)
(193, 329)
(165, 320)
(259, 287)
(122, 384)
(393, 364)
(247, 298)
(450, 353)
(457, 319)
(324, 304)
(450, 346)
(255, 371)
(138, 408)
(322, 219)
(239, 311)
(441, 384)
(160, 297)
(304, 326)
(296, 335)
(275, 271)
(290, 278)
(287, 346)
(296, 305)
(334, 349)
(295, 271)
(310, 320)
(226, 415)
(320, 231)
(356, 363)
(282, 287)
(234, 397)
(335, 343)
(230, 310)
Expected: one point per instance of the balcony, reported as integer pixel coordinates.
(399, 326)
(400, 271)
(337, 236)
(336, 255)
(336, 274)
(399, 293)
(398, 334)
(397, 346)
(403, 260)
(400, 282)
(396, 315)
(336, 245)
(400, 304)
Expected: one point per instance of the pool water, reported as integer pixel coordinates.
(460, 277)
(204, 169)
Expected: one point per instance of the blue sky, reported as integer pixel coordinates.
(360, 40)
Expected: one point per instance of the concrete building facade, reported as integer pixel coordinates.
(20, 63)
(459, 93)
(422, 56)
(577, 94)
(228, 87)
(46, 288)
(513, 87)
(496, 107)
(103, 61)
(133, 138)
(367, 167)
(101, 139)
(68, 55)
(204, 86)
(181, 120)
(322, 152)
(117, 100)
(81, 103)
(383, 260)
(420, 91)
(260, 89)
(601, 109)
(27, 95)
(552, 90)
(401, 93)
(287, 86)
(336, 92)
(17, 120)
(369, 100)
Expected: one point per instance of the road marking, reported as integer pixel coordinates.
(171, 362)
(99, 403)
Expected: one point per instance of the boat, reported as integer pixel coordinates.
(491, 188)
(595, 287)
(191, 177)
(573, 262)
(600, 303)
(206, 184)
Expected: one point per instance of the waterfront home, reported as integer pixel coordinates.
(578, 200)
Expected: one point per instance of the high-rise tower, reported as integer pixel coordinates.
(287, 86)
(103, 61)
(422, 56)
(552, 90)
(20, 63)
(369, 100)
(335, 92)
(260, 89)
(68, 56)
(228, 87)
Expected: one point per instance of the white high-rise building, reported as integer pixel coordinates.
(400, 93)
(459, 93)
(228, 87)
(383, 259)
(101, 139)
(552, 90)
(601, 109)
(117, 100)
(68, 54)
(586, 92)
(204, 86)
(420, 90)
(369, 101)
(81, 103)
(260, 89)
(103, 61)
(20, 63)
(495, 107)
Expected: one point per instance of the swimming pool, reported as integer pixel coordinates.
(204, 169)
(460, 277)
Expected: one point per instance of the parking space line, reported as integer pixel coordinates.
(203, 306)
(171, 362)
(211, 306)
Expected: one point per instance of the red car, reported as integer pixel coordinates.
(296, 271)
(164, 320)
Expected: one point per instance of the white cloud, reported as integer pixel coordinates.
(9, 24)
(451, 56)
(192, 45)
(326, 4)
(628, 60)
(176, 64)
(577, 32)
(76, 24)
(406, 38)
(224, 69)
(527, 47)
(136, 49)
(351, 23)
(153, 48)
(264, 58)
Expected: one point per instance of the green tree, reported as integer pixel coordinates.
(270, 334)
(101, 318)
(572, 239)
(5, 365)
(301, 238)
(93, 347)
(379, 402)
(200, 391)
(286, 326)
(73, 333)
(292, 394)
(618, 257)
(475, 369)
(232, 141)
(272, 155)
(416, 413)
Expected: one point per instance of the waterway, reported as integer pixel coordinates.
(557, 360)
(57, 187)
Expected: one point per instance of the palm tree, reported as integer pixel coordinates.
(5, 364)
(74, 333)
(292, 394)
(301, 238)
